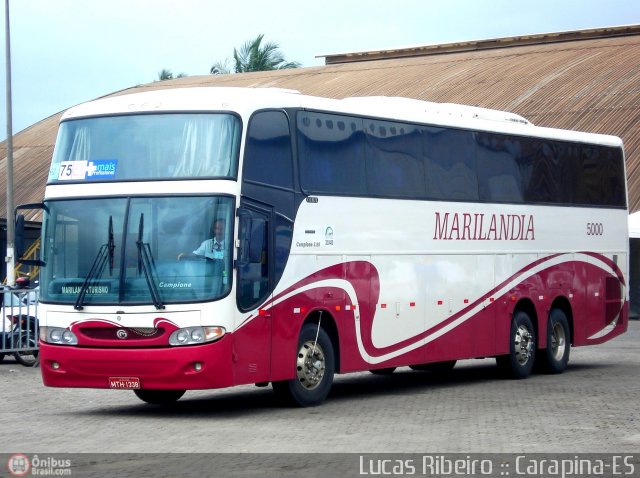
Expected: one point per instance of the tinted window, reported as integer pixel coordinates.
(394, 163)
(450, 156)
(253, 274)
(572, 173)
(399, 160)
(268, 150)
(601, 170)
(331, 149)
(542, 172)
(499, 177)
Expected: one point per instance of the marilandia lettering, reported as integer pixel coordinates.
(92, 289)
(483, 227)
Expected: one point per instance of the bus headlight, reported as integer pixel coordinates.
(196, 335)
(58, 335)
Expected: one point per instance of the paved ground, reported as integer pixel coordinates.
(592, 407)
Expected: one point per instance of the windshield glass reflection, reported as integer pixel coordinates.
(148, 250)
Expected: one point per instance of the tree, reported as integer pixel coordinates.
(221, 67)
(254, 56)
(165, 74)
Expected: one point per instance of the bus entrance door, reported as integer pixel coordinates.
(252, 344)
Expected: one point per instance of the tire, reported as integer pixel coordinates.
(315, 366)
(28, 358)
(383, 371)
(555, 357)
(159, 397)
(435, 367)
(2, 357)
(522, 348)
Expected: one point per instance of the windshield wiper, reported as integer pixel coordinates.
(146, 264)
(111, 245)
(105, 253)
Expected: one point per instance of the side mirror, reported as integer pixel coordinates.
(19, 233)
(19, 236)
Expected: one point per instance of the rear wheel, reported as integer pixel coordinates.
(315, 366)
(159, 397)
(522, 348)
(555, 357)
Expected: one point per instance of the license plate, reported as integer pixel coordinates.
(125, 383)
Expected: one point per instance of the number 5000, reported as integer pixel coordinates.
(595, 229)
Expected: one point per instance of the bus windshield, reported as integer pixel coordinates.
(147, 146)
(147, 250)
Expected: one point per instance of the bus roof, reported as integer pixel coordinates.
(245, 101)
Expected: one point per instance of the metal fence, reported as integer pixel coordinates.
(19, 325)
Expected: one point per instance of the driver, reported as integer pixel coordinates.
(211, 248)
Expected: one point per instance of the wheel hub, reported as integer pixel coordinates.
(558, 341)
(310, 365)
(523, 345)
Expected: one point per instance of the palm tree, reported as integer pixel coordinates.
(221, 68)
(165, 74)
(255, 56)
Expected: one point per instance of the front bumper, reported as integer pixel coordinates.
(166, 368)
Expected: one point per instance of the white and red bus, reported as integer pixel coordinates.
(201, 238)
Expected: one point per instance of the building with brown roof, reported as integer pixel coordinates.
(585, 80)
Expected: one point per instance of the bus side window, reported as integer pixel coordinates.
(331, 154)
(394, 161)
(543, 181)
(450, 157)
(601, 174)
(253, 266)
(499, 177)
(268, 177)
(268, 150)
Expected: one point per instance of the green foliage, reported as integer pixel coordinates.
(254, 55)
(165, 74)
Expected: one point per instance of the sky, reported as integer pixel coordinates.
(65, 52)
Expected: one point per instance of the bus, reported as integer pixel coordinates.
(200, 238)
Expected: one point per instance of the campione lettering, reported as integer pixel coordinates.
(174, 285)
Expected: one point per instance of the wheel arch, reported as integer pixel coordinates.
(328, 323)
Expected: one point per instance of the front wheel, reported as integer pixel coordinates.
(159, 397)
(555, 357)
(522, 348)
(315, 366)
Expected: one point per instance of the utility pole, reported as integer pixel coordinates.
(10, 257)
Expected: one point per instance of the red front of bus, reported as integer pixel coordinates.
(196, 367)
(107, 354)
(134, 295)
